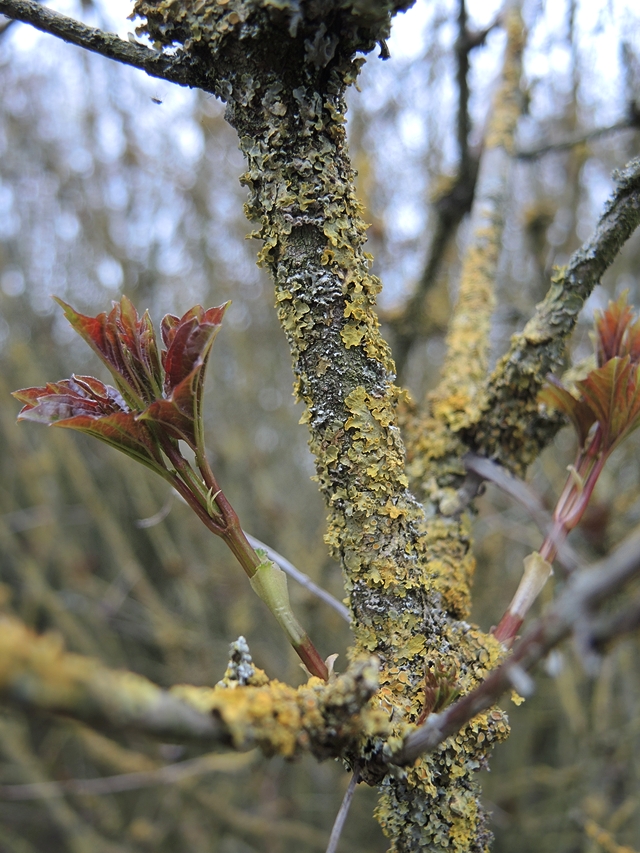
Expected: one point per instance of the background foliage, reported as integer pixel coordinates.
(103, 191)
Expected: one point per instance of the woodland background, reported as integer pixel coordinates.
(111, 182)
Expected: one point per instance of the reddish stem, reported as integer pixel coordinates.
(231, 531)
(310, 657)
(570, 508)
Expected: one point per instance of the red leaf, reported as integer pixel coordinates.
(611, 326)
(555, 395)
(127, 345)
(88, 405)
(180, 413)
(188, 341)
(612, 393)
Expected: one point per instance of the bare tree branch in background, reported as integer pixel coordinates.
(451, 205)
(631, 121)
(180, 69)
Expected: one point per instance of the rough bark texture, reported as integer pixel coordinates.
(283, 72)
(398, 526)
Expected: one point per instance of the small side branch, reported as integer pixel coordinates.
(632, 121)
(179, 69)
(341, 817)
(571, 613)
(509, 428)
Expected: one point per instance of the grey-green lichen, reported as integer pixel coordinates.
(509, 427)
(283, 70)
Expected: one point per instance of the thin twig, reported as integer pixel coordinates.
(343, 811)
(301, 578)
(159, 516)
(520, 492)
(632, 121)
(584, 592)
(168, 775)
(177, 68)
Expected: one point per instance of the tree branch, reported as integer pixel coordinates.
(632, 121)
(180, 68)
(571, 613)
(509, 428)
(466, 362)
(36, 673)
(170, 774)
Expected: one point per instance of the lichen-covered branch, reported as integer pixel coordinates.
(179, 68)
(573, 612)
(39, 675)
(466, 362)
(283, 73)
(36, 672)
(509, 428)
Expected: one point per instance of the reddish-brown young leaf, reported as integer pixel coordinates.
(611, 325)
(179, 413)
(555, 395)
(613, 395)
(631, 342)
(188, 341)
(84, 403)
(127, 346)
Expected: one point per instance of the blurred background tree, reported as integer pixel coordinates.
(114, 183)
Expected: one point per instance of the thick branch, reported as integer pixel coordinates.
(36, 673)
(509, 428)
(179, 68)
(572, 612)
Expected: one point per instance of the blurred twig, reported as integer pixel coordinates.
(520, 492)
(168, 775)
(631, 121)
(570, 614)
(80, 837)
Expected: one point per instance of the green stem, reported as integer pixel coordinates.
(268, 581)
